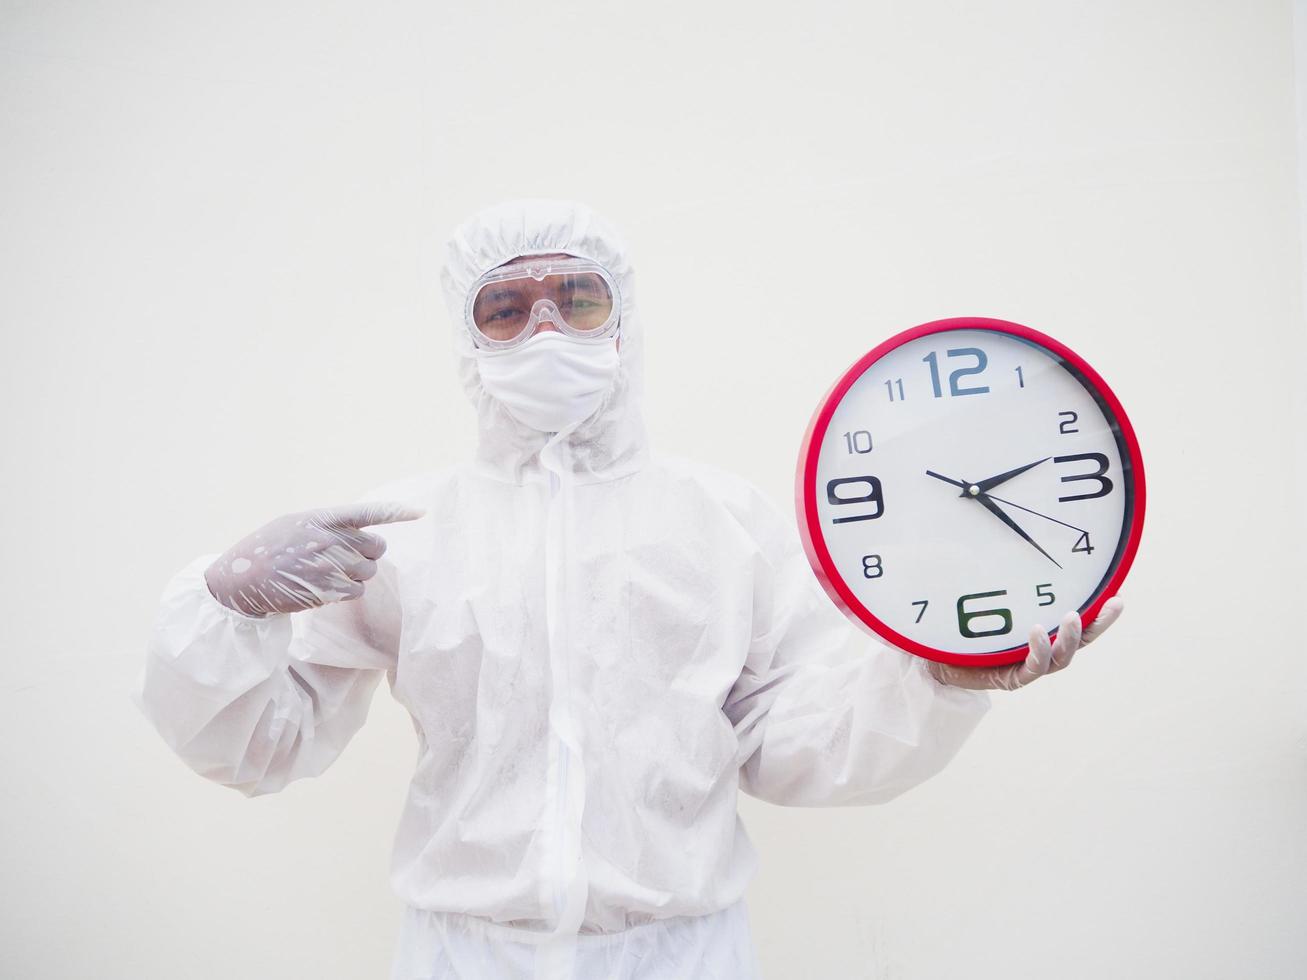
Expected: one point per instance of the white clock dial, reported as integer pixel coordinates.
(969, 484)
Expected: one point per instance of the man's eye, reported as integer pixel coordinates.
(508, 313)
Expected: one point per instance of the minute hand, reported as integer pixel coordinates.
(998, 512)
(987, 485)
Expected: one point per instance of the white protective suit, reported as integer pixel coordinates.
(598, 645)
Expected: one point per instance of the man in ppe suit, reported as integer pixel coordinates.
(598, 644)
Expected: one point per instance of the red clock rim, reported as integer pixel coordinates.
(805, 498)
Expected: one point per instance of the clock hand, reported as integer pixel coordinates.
(973, 490)
(1036, 513)
(998, 512)
(993, 481)
(956, 483)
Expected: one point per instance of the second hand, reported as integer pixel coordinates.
(1037, 514)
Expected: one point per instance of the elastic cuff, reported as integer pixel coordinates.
(196, 570)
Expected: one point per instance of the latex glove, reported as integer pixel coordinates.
(1044, 657)
(304, 560)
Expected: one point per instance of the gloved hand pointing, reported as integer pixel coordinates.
(1044, 657)
(303, 560)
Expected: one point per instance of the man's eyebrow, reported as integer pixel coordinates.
(497, 293)
(587, 284)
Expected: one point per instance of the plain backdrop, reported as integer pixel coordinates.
(220, 231)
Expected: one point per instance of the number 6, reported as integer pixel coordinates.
(965, 617)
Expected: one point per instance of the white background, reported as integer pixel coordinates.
(220, 226)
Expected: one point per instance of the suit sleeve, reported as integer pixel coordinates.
(825, 715)
(256, 703)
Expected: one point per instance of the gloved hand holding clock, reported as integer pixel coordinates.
(1047, 655)
(917, 549)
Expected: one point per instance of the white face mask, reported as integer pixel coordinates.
(551, 381)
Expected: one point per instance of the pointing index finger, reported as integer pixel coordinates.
(364, 515)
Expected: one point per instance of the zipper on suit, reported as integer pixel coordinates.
(560, 808)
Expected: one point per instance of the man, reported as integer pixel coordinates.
(599, 646)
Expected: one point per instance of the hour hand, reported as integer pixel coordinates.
(987, 485)
(956, 483)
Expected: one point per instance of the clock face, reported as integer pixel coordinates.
(966, 480)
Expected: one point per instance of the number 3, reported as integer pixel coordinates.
(1104, 484)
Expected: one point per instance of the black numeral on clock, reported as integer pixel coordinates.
(872, 563)
(1104, 484)
(872, 497)
(966, 617)
(923, 603)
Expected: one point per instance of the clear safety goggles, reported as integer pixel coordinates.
(508, 304)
